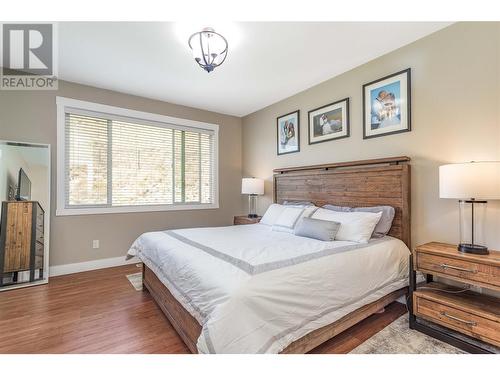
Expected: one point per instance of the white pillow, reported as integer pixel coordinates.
(272, 214)
(354, 226)
(290, 216)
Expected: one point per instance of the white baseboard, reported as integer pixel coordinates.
(65, 269)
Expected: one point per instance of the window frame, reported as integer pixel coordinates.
(65, 105)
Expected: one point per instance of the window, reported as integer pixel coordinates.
(117, 160)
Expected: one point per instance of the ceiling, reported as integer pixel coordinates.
(267, 62)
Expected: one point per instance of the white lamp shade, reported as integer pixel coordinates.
(252, 186)
(479, 180)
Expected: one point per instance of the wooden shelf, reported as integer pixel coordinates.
(471, 302)
(390, 160)
(242, 220)
(470, 313)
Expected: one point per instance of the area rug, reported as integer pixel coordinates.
(398, 338)
(136, 280)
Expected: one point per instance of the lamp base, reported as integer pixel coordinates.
(473, 249)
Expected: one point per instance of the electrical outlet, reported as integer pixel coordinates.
(95, 244)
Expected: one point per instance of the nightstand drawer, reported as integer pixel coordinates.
(462, 270)
(465, 322)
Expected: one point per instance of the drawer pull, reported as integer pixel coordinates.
(468, 322)
(445, 266)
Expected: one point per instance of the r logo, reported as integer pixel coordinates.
(28, 48)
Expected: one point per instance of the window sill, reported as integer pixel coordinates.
(131, 209)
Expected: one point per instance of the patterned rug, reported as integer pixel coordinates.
(398, 338)
(136, 280)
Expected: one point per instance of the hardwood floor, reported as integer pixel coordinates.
(100, 312)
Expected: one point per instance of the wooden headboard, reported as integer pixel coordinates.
(356, 183)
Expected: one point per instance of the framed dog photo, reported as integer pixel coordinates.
(387, 105)
(288, 133)
(329, 122)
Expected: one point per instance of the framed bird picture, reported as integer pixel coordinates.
(288, 133)
(386, 103)
(329, 122)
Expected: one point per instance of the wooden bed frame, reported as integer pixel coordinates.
(357, 183)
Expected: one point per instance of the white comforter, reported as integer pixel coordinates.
(254, 290)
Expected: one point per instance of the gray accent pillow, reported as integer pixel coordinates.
(385, 223)
(297, 203)
(323, 230)
(337, 208)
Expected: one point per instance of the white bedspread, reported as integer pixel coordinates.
(256, 291)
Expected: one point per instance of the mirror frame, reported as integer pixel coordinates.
(48, 211)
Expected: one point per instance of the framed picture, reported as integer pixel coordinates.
(386, 105)
(288, 133)
(329, 122)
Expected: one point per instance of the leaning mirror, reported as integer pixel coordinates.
(25, 214)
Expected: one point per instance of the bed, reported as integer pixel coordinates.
(248, 289)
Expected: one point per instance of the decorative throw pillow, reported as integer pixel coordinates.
(290, 216)
(272, 214)
(385, 223)
(323, 230)
(383, 226)
(355, 226)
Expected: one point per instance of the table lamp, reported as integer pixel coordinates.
(472, 184)
(252, 187)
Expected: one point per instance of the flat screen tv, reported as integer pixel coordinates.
(23, 187)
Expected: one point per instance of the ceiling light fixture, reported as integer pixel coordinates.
(209, 48)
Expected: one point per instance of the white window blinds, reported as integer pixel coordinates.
(86, 157)
(112, 161)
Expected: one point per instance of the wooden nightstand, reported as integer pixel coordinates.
(468, 320)
(241, 220)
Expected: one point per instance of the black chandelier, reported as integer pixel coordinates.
(209, 48)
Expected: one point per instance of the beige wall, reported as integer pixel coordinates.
(455, 117)
(30, 116)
